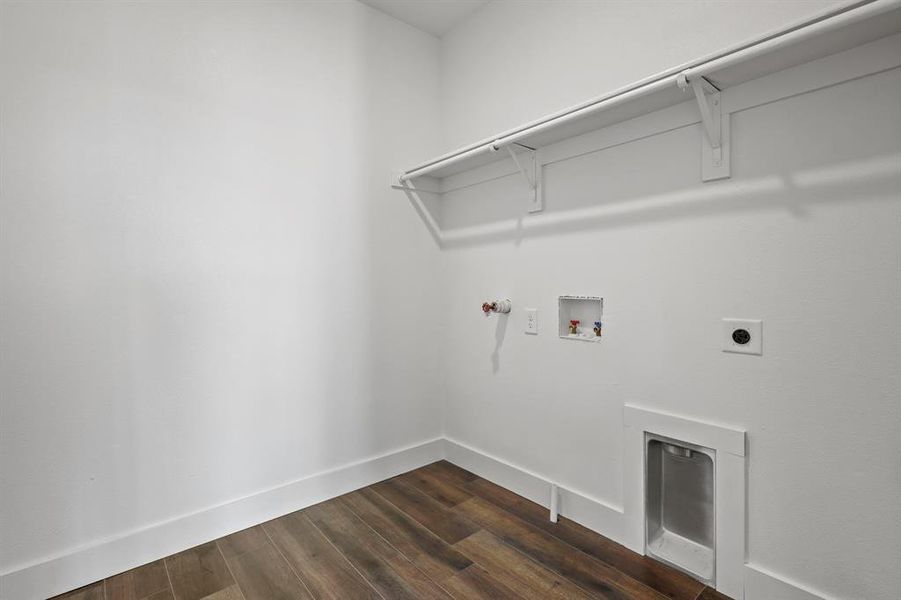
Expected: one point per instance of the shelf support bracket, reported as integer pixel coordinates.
(715, 155)
(414, 195)
(536, 203)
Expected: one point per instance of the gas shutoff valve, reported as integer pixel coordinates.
(498, 306)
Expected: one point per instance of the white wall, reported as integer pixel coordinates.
(804, 236)
(207, 288)
(512, 61)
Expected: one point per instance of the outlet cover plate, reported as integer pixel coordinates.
(531, 321)
(753, 326)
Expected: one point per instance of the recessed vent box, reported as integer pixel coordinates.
(680, 521)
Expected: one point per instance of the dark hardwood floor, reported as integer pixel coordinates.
(436, 532)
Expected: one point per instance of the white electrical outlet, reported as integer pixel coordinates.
(743, 336)
(532, 321)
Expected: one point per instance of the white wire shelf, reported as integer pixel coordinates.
(827, 33)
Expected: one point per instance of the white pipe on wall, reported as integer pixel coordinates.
(555, 500)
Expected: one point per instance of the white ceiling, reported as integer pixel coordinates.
(433, 16)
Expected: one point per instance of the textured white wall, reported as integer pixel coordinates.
(804, 236)
(207, 288)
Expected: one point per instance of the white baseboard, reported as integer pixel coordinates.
(70, 570)
(761, 584)
(595, 514)
(609, 521)
(55, 575)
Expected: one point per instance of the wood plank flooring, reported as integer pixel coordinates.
(438, 532)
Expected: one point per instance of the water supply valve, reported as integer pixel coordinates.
(497, 306)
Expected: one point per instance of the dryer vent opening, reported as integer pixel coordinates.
(680, 521)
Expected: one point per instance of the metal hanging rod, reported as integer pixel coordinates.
(824, 22)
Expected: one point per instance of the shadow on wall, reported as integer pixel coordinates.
(500, 332)
(655, 180)
(795, 193)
